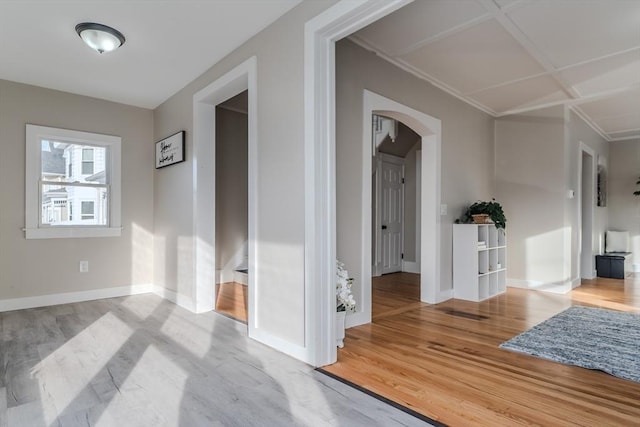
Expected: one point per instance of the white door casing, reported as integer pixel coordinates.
(586, 209)
(391, 212)
(429, 129)
(321, 34)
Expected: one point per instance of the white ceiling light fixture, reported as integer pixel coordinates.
(99, 37)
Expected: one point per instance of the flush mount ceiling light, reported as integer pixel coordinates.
(100, 37)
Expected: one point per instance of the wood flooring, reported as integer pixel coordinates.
(231, 300)
(143, 361)
(443, 360)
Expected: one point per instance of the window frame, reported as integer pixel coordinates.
(33, 172)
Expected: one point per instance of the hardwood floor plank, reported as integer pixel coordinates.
(444, 361)
(232, 300)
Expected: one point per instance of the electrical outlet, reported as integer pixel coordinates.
(443, 210)
(84, 266)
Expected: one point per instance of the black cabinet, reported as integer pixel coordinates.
(611, 265)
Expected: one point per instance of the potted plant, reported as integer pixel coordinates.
(480, 211)
(344, 300)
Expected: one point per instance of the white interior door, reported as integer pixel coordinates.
(391, 213)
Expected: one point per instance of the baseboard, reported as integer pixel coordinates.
(411, 267)
(71, 297)
(242, 278)
(356, 319)
(635, 268)
(552, 287)
(576, 282)
(176, 298)
(296, 351)
(445, 295)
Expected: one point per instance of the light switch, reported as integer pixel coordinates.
(84, 266)
(443, 210)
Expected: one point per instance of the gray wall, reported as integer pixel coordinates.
(624, 207)
(280, 167)
(232, 229)
(49, 266)
(467, 147)
(579, 131)
(537, 162)
(530, 181)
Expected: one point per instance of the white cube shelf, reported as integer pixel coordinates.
(479, 261)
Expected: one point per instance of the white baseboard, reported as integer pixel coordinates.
(296, 351)
(71, 297)
(356, 319)
(411, 267)
(635, 268)
(576, 282)
(242, 278)
(176, 298)
(552, 287)
(226, 276)
(445, 295)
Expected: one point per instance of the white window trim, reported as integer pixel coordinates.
(33, 230)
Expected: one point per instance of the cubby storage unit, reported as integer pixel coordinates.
(479, 261)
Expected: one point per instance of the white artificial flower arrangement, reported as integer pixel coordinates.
(344, 298)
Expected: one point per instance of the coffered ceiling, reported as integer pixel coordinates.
(514, 56)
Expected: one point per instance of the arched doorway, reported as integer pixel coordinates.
(429, 129)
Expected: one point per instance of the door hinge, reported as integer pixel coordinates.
(403, 180)
(401, 256)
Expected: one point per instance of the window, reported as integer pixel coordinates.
(87, 210)
(68, 168)
(87, 161)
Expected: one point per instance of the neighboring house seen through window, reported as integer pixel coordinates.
(73, 183)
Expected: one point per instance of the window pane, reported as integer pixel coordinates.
(68, 204)
(87, 168)
(87, 208)
(87, 154)
(66, 162)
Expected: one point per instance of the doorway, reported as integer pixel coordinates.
(396, 196)
(389, 213)
(321, 33)
(427, 265)
(231, 216)
(238, 80)
(586, 206)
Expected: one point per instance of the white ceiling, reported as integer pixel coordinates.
(168, 43)
(513, 56)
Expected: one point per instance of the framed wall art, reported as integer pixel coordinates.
(170, 150)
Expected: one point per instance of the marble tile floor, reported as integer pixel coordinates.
(143, 361)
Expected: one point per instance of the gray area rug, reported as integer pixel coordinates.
(591, 338)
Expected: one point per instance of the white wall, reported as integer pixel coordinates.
(31, 268)
(280, 169)
(467, 148)
(624, 207)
